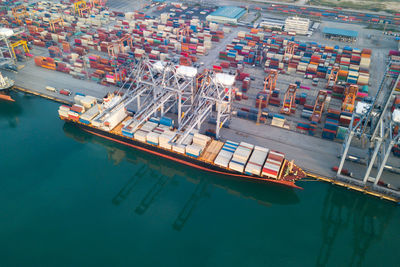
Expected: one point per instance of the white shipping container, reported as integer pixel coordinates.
(63, 113)
(246, 145)
(252, 168)
(90, 113)
(225, 154)
(140, 136)
(179, 148)
(152, 137)
(236, 166)
(78, 99)
(271, 166)
(222, 161)
(64, 108)
(165, 145)
(194, 150)
(115, 118)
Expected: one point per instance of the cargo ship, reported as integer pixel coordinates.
(5, 85)
(158, 136)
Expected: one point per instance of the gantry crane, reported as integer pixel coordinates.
(319, 106)
(289, 50)
(54, 22)
(375, 123)
(19, 43)
(184, 31)
(270, 83)
(332, 78)
(80, 8)
(118, 45)
(289, 100)
(350, 98)
(18, 12)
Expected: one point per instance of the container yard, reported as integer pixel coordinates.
(319, 84)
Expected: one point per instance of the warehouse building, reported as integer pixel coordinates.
(340, 34)
(270, 23)
(226, 14)
(297, 25)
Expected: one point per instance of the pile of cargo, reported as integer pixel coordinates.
(331, 124)
(240, 157)
(307, 127)
(255, 164)
(308, 58)
(273, 164)
(123, 36)
(250, 159)
(226, 154)
(83, 110)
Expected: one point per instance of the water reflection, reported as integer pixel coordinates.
(165, 172)
(365, 217)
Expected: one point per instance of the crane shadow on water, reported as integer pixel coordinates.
(165, 172)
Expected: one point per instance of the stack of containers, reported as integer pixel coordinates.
(345, 118)
(63, 111)
(78, 108)
(341, 133)
(330, 129)
(365, 62)
(303, 126)
(73, 115)
(199, 143)
(342, 75)
(331, 124)
(278, 120)
(54, 51)
(338, 91)
(89, 115)
(240, 157)
(225, 155)
(166, 138)
(152, 137)
(312, 126)
(273, 164)
(352, 77)
(307, 111)
(246, 84)
(141, 135)
(167, 121)
(301, 98)
(256, 161)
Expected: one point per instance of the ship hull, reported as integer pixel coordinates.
(4, 95)
(180, 158)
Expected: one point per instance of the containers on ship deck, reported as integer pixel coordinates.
(225, 155)
(240, 157)
(152, 138)
(194, 150)
(141, 135)
(273, 164)
(63, 111)
(89, 115)
(165, 138)
(256, 161)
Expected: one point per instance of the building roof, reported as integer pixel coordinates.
(342, 32)
(232, 12)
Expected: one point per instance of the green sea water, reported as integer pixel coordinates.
(71, 199)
